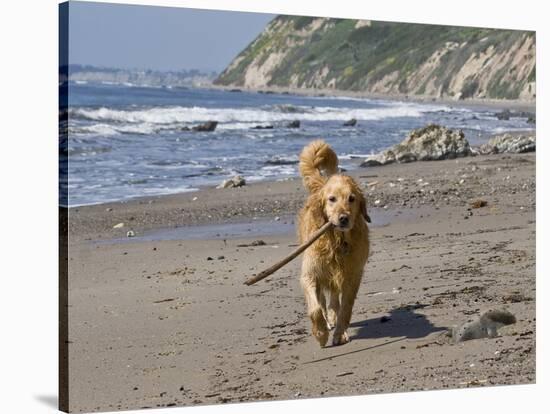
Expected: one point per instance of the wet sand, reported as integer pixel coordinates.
(164, 319)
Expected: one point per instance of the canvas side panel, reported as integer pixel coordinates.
(63, 206)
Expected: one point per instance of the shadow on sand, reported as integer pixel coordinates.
(402, 322)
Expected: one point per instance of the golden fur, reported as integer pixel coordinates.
(333, 266)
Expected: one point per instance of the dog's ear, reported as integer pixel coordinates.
(363, 207)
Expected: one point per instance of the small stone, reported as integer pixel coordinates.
(118, 226)
(345, 373)
(221, 257)
(478, 203)
(130, 233)
(209, 258)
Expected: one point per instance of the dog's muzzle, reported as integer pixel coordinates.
(343, 222)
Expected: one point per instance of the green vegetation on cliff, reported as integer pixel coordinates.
(387, 58)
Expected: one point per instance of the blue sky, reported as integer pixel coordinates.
(160, 38)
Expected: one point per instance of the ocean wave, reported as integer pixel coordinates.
(105, 129)
(245, 116)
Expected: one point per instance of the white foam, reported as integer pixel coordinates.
(244, 118)
(114, 129)
(352, 156)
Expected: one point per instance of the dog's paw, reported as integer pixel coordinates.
(321, 336)
(320, 328)
(340, 339)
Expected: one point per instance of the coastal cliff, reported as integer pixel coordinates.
(387, 59)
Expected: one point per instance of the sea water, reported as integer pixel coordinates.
(126, 141)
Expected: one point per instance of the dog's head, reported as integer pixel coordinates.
(343, 202)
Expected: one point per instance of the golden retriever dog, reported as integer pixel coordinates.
(332, 267)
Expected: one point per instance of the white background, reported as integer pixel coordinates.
(28, 230)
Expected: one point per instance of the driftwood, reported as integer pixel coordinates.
(291, 256)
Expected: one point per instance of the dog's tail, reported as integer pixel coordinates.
(317, 157)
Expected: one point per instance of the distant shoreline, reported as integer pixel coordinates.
(515, 104)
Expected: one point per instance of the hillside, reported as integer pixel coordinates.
(387, 58)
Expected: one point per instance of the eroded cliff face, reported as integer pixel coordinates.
(387, 58)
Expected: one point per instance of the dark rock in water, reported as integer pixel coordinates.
(522, 114)
(293, 124)
(532, 119)
(430, 143)
(504, 115)
(206, 127)
(509, 143)
(235, 90)
(282, 161)
(263, 127)
(507, 114)
(352, 122)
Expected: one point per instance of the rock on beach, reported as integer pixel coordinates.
(433, 142)
(516, 144)
(233, 182)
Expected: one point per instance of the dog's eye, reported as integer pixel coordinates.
(332, 199)
(351, 198)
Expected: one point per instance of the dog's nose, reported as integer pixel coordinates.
(343, 219)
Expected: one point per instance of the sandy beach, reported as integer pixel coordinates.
(163, 318)
(512, 104)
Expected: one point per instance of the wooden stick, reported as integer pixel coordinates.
(290, 257)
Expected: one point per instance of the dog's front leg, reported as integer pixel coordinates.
(349, 292)
(333, 307)
(320, 328)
